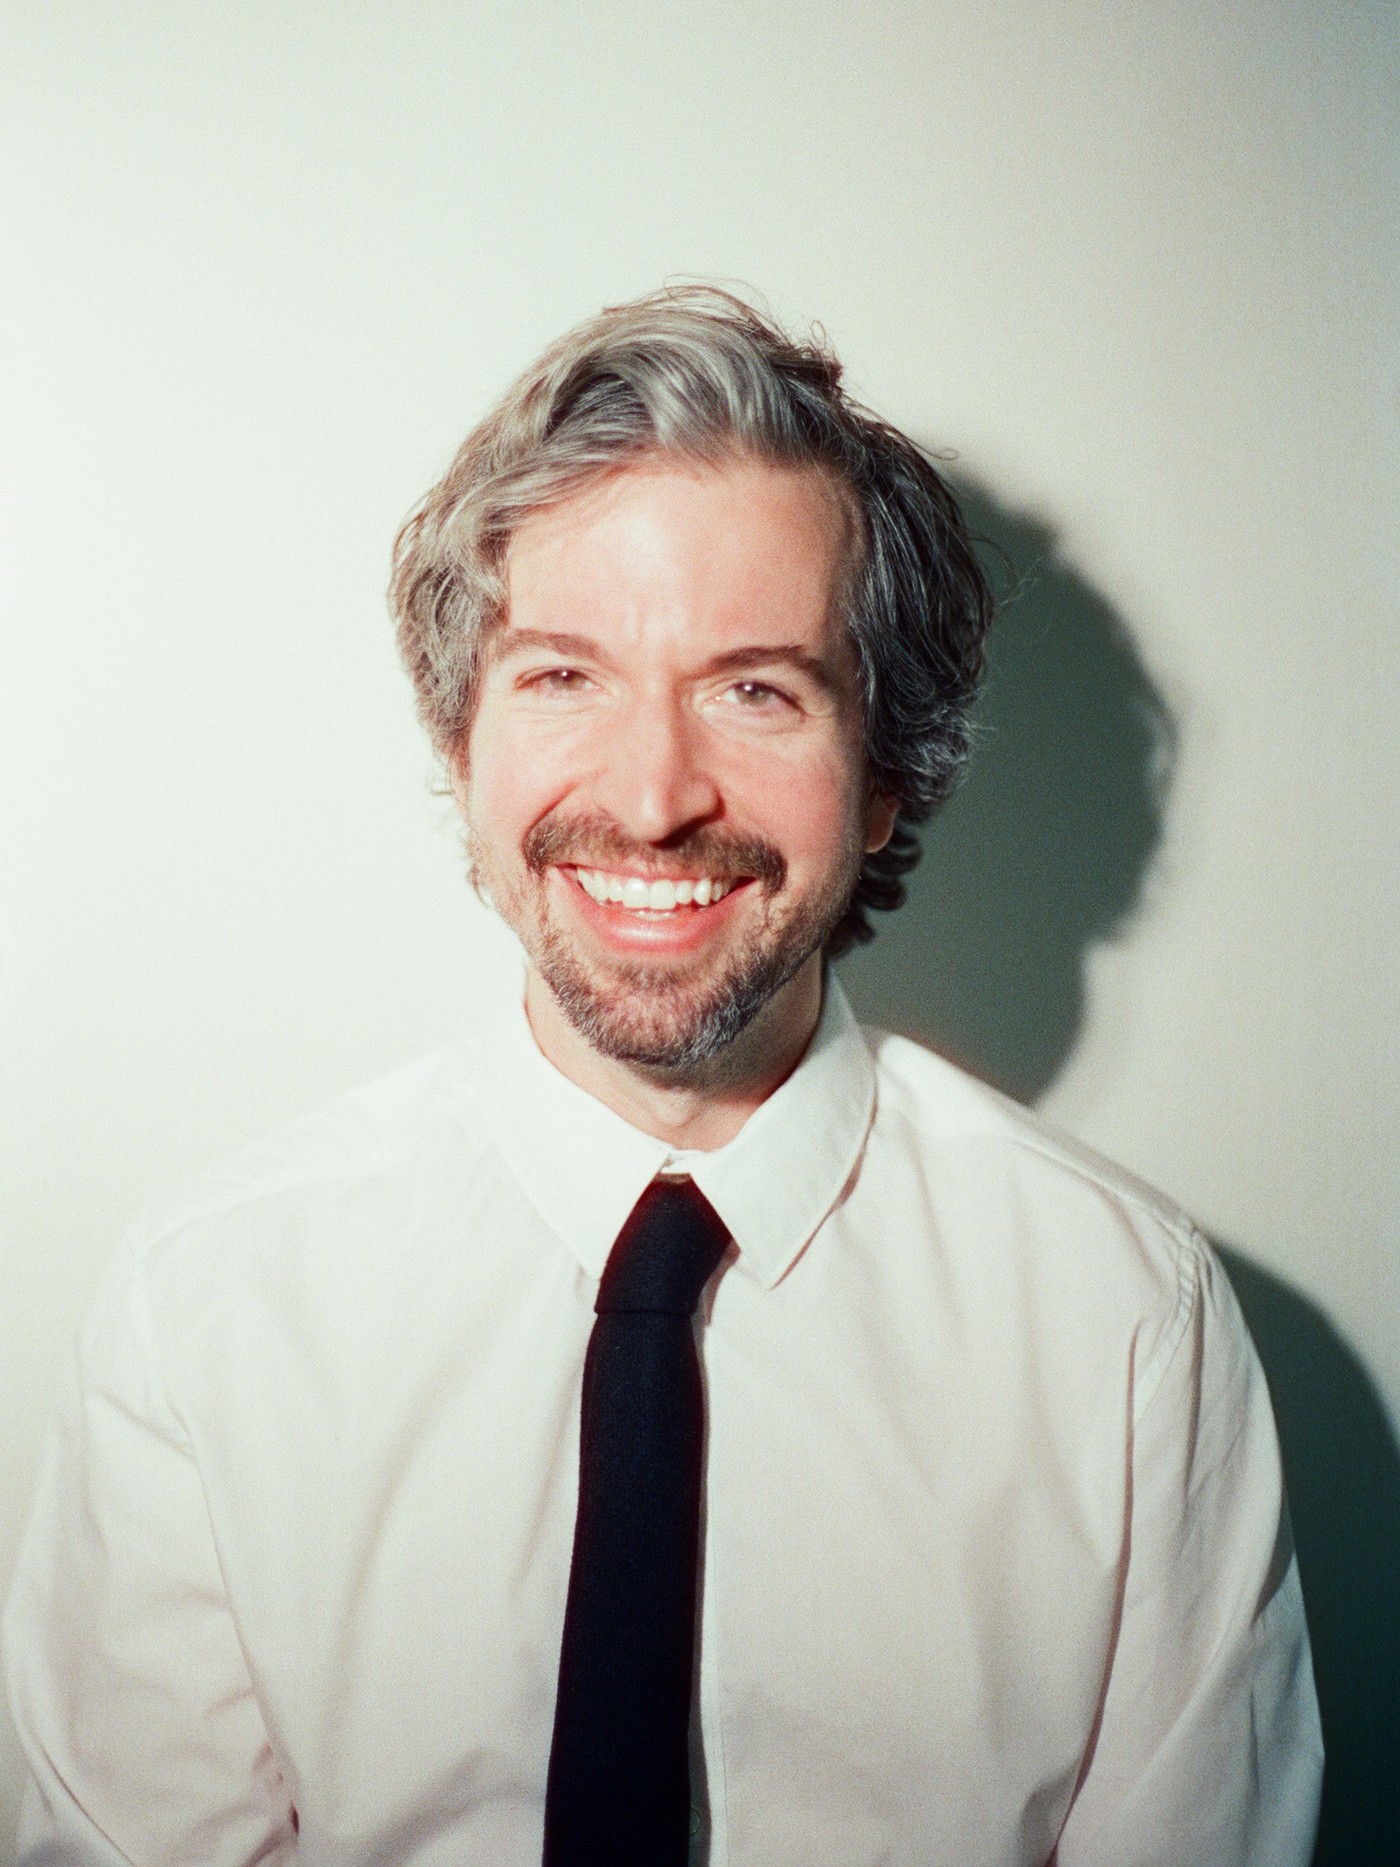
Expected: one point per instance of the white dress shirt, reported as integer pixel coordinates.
(995, 1570)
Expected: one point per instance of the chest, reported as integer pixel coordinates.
(909, 1573)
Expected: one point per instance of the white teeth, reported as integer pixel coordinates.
(660, 897)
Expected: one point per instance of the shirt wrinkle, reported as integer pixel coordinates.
(1188, 1291)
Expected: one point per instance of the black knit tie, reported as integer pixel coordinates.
(619, 1770)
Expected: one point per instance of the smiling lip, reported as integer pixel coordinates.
(661, 935)
(654, 894)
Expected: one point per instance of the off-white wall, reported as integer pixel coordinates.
(1135, 262)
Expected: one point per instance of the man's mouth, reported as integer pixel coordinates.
(661, 894)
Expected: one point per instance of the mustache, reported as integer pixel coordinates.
(597, 842)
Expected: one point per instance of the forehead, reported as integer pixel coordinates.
(734, 550)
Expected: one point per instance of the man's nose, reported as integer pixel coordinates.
(656, 778)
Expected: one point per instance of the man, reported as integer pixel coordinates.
(962, 1541)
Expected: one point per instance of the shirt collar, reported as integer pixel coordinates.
(583, 1167)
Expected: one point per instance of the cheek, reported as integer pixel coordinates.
(811, 807)
(512, 779)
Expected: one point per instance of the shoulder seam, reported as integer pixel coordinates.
(145, 1233)
(1086, 1164)
(1082, 1160)
(168, 1217)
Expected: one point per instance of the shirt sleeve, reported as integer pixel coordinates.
(1208, 1750)
(129, 1688)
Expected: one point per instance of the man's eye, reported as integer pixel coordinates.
(556, 681)
(755, 695)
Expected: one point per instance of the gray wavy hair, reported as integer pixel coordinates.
(697, 372)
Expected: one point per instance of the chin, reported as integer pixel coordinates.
(678, 1028)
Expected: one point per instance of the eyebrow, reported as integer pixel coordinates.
(509, 642)
(780, 654)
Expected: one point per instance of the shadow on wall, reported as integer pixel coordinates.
(1045, 850)
(1344, 1493)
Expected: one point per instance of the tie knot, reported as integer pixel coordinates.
(665, 1254)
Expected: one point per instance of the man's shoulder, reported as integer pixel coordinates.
(371, 1131)
(1017, 1206)
(942, 1105)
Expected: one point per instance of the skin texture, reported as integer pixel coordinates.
(672, 695)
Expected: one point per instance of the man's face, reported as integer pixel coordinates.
(665, 786)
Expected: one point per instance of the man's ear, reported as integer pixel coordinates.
(455, 771)
(879, 821)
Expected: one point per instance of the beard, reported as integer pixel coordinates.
(674, 1021)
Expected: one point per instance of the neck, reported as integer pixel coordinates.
(701, 1111)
